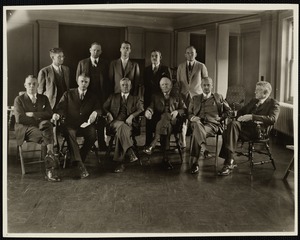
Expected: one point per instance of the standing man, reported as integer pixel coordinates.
(152, 75)
(206, 111)
(33, 113)
(261, 108)
(97, 69)
(125, 68)
(78, 106)
(54, 79)
(122, 110)
(189, 75)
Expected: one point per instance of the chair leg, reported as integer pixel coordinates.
(250, 156)
(270, 155)
(178, 148)
(21, 159)
(217, 149)
(96, 154)
(289, 169)
(110, 146)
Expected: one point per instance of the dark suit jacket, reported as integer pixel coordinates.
(102, 88)
(267, 112)
(157, 105)
(22, 104)
(47, 85)
(151, 81)
(134, 105)
(224, 109)
(132, 72)
(76, 111)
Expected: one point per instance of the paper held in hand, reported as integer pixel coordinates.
(85, 124)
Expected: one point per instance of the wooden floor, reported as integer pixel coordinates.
(148, 199)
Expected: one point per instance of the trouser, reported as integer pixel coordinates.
(233, 132)
(43, 134)
(123, 139)
(89, 135)
(200, 133)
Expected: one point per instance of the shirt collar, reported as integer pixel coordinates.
(261, 101)
(80, 92)
(125, 94)
(192, 62)
(93, 59)
(56, 67)
(153, 66)
(31, 95)
(124, 60)
(207, 95)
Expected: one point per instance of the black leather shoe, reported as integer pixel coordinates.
(195, 168)
(167, 165)
(120, 168)
(51, 176)
(232, 164)
(148, 150)
(83, 172)
(225, 171)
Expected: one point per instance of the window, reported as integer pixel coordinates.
(289, 71)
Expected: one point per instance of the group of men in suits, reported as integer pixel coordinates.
(116, 91)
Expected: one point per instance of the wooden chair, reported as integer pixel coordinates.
(263, 139)
(30, 148)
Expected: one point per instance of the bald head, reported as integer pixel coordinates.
(31, 84)
(165, 84)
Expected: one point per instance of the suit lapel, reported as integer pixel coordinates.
(119, 67)
(128, 68)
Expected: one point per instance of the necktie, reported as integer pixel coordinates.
(166, 96)
(33, 99)
(155, 69)
(81, 96)
(124, 63)
(190, 66)
(95, 63)
(124, 98)
(59, 70)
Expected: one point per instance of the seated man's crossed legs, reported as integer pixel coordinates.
(44, 136)
(124, 144)
(198, 149)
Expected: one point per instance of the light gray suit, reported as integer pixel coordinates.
(47, 83)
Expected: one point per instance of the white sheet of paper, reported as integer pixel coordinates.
(85, 124)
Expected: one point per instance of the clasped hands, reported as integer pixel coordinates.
(128, 121)
(148, 114)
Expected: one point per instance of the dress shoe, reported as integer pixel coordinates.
(51, 176)
(167, 165)
(132, 156)
(148, 150)
(83, 172)
(195, 168)
(51, 161)
(227, 168)
(120, 168)
(225, 171)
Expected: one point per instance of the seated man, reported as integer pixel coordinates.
(261, 108)
(78, 106)
(205, 112)
(164, 109)
(121, 109)
(33, 113)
